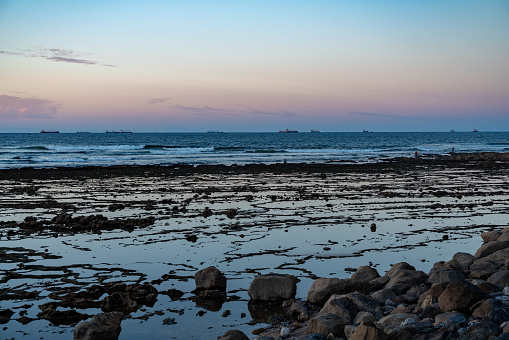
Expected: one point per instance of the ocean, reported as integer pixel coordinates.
(102, 149)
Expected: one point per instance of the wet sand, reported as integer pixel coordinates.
(70, 229)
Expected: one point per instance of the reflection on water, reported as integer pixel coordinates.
(305, 225)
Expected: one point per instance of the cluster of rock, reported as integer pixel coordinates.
(96, 223)
(465, 298)
(120, 297)
(480, 156)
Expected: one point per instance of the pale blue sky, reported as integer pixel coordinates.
(254, 65)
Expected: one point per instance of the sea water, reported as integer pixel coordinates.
(84, 149)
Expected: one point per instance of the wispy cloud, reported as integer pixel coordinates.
(158, 100)
(55, 54)
(73, 60)
(13, 107)
(211, 111)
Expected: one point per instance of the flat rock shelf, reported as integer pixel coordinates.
(76, 242)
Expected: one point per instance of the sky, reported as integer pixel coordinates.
(248, 66)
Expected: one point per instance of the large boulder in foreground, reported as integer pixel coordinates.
(365, 303)
(365, 274)
(381, 296)
(342, 306)
(233, 334)
(210, 278)
(104, 326)
(323, 288)
(500, 278)
(460, 296)
(395, 320)
(464, 259)
(326, 324)
(445, 276)
(398, 266)
(367, 331)
(273, 287)
(491, 236)
(490, 247)
(404, 279)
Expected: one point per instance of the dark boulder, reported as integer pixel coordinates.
(273, 287)
(490, 248)
(5, 315)
(484, 307)
(383, 295)
(342, 306)
(464, 259)
(322, 289)
(460, 296)
(210, 278)
(104, 326)
(365, 274)
(403, 279)
(365, 303)
(367, 331)
(143, 294)
(446, 276)
(233, 334)
(326, 324)
(491, 236)
(500, 279)
(451, 320)
(398, 266)
(119, 301)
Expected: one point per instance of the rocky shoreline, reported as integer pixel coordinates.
(465, 298)
(140, 244)
(483, 160)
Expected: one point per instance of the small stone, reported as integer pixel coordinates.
(285, 331)
(258, 331)
(169, 321)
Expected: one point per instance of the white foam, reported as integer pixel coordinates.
(181, 151)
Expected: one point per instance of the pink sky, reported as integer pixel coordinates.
(254, 66)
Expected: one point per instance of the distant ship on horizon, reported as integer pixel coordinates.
(50, 131)
(315, 131)
(288, 131)
(120, 131)
(452, 130)
(475, 130)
